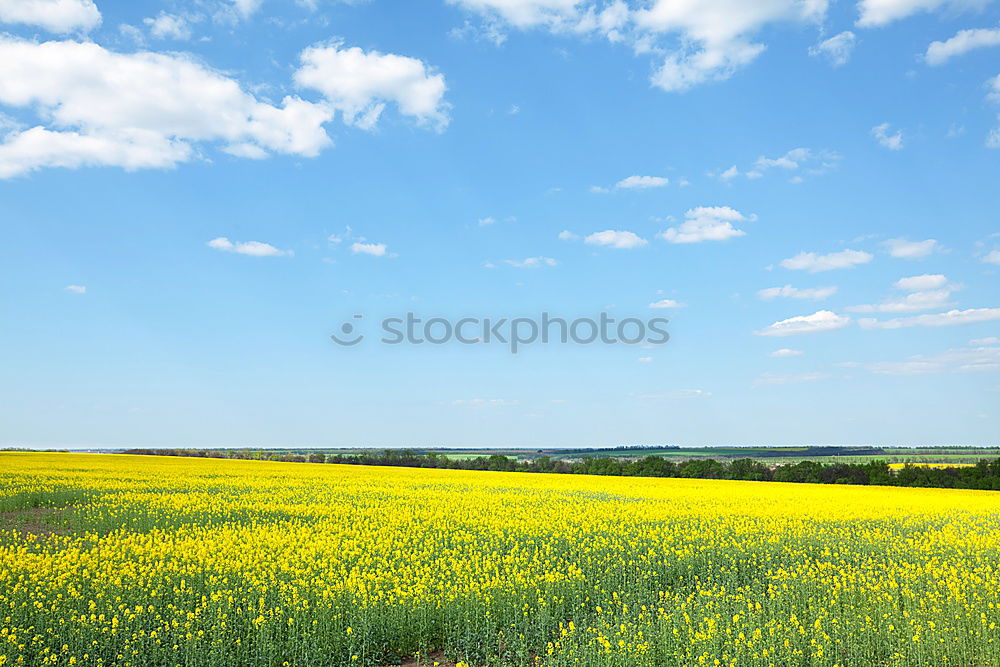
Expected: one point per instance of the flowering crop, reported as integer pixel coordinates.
(900, 466)
(121, 560)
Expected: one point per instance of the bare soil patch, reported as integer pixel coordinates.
(436, 658)
(39, 521)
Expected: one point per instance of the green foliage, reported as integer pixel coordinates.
(984, 475)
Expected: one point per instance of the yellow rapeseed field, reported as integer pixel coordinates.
(900, 466)
(118, 560)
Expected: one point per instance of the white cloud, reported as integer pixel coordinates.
(822, 320)
(566, 235)
(252, 248)
(951, 317)
(613, 18)
(793, 159)
(634, 182)
(715, 35)
(490, 220)
(347, 235)
(678, 394)
(666, 303)
(903, 249)
(911, 303)
(729, 174)
(900, 367)
(881, 12)
(235, 10)
(642, 182)
(154, 110)
(699, 40)
(131, 33)
(485, 402)
(893, 142)
(992, 257)
(990, 340)
(246, 8)
(789, 292)
(531, 262)
(169, 26)
(645, 360)
(140, 110)
(836, 49)
(373, 249)
(924, 282)
(788, 378)
(955, 130)
(813, 263)
(76, 289)
(556, 15)
(785, 352)
(978, 356)
(616, 239)
(926, 292)
(36, 148)
(993, 138)
(707, 223)
(360, 84)
(964, 41)
(59, 16)
(801, 161)
(993, 85)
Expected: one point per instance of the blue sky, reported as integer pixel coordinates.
(195, 194)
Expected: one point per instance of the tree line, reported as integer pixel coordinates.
(983, 475)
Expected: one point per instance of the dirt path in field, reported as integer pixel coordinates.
(437, 658)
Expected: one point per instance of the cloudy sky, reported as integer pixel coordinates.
(194, 194)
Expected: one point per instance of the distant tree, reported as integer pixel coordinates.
(500, 463)
(843, 473)
(804, 472)
(878, 472)
(985, 474)
(701, 469)
(749, 469)
(653, 466)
